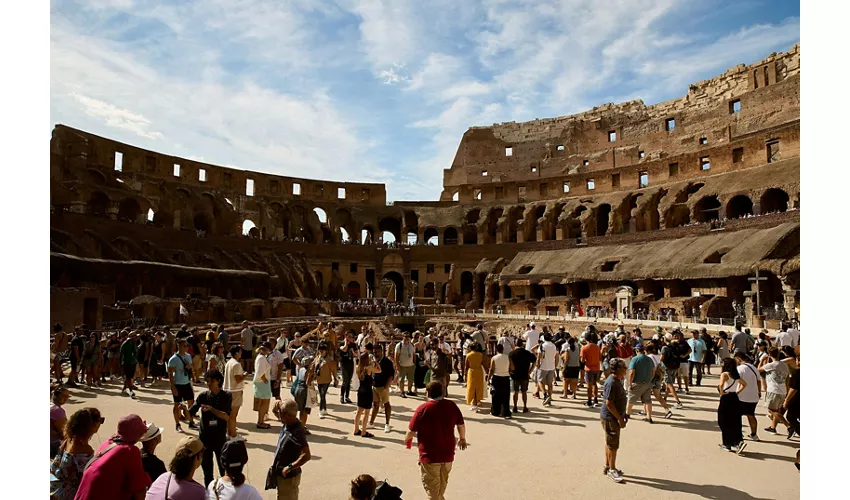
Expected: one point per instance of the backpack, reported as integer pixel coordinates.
(386, 491)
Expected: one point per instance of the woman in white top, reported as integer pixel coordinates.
(499, 377)
(262, 385)
(232, 485)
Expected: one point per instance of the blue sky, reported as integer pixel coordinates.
(378, 91)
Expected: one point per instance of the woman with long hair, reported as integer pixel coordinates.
(59, 395)
(474, 376)
(722, 348)
(729, 410)
(232, 484)
(572, 365)
(215, 357)
(365, 368)
(324, 376)
(66, 469)
(363, 487)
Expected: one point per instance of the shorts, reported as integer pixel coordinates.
(683, 369)
(287, 364)
(405, 372)
(591, 376)
(129, 371)
(236, 399)
(547, 376)
(640, 393)
(519, 385)
(748, 408)
(247, 355)
(612, 433)
(184, 393)
(774, 401)
(571, 372)
(670, 376)
(380, 395)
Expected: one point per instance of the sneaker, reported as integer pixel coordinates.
(669, 414)
(548, 401)
(771, 430)
(411, 393)
(740, 448)
(525, 410)
(687, 391)
(507, 417)
(404, 395)
(589, 404)
(515, 410)
(615, 475)
(595, 401)
(473, 409)
(321, 415)
(179, 429)
(387, 428)
(679, 406)
(193, 425)
(790, 433)
(724, 447)
(132, 394)
(124, 391)
(755, 437)
(348, 401)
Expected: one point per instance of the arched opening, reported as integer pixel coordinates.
(467, 284)
(493, 223)
(450, 236)
(320, 281)
(535, 223)
(429, 290)
(150, 215)
(514, 218)
(773, 200)
(390, 225)
(163, 219)
(96, 177)
(603, 216)
(470, 229)
(388, 237)
(344, 234)
(455, 196)
(327, 235)
(98, 203)
(129, 210)
(677, 216)
(739, 206)
(353, 290)
(202, 222)
(686, 193)
(431, 237)
(367, 235)
(536, 292)
(707, 209)
(250, 229)
(573, 224)
(323, 217)
(398, 281)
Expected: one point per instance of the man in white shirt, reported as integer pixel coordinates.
(247, 342)
(404, 364)
(546, 354)
(234, 377)
(531, 336)
(507, 342)
(795, 334)
(480, 337)
(751, 395)
(785, 338)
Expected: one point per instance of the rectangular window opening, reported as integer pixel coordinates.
(228, 179)
(566, 187)
(772, 151)
(352, 268)
(615, 180)
(429, 268)
(703, 141)
(320, 190)
(612, 136)
(521, 192)
(585, 162)
(477, 194)
(735, 106)
(704, 163)
(641, 155)
(609, 266)
(340, 193)
(591, 185)
(483, 173)
(674, 169)
(643, 179)
(334, 266)
(755, 79)
(533, 170)
(766, 77)
(737, 155)
(150, 163)
(560, 147)
(296, 189)
(202, 175)
(509, 151)
(176, 170)
(119, 161)
(365, 194)
(249, 187)
(414, 275)
(500, 192)
(447, 268)
(670, 124)
(544, 189)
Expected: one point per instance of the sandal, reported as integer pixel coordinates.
(264, 426)
(368, 435)
(357, 432)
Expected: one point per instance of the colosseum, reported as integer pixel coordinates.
(685, 210)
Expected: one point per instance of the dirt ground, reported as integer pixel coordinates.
(547, 453)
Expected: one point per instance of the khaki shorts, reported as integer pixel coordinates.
(435, 478)
(405, 373)
(640, 393)
(773, 401)
(237, 399)
(380, 396)
(612, 433)
(287, 488)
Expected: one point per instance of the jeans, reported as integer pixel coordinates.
(323, 396)
(347, 373)
(691, 366)
(207, 462)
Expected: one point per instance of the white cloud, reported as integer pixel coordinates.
(117, 117)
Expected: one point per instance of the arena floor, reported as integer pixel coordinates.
(547, 453)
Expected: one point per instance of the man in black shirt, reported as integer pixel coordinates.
(76, 349)
(150, 462)
(381, 386)
(522, 362)
(215, 405)
(347, 351)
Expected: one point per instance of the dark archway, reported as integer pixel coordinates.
(202, 222)
(320, 281)
(467, 285)
(98, 203)
(739, 206)
(707, 209)
(431, 237)
(493, 223)
(773, 200)
(390, 225)
(429, 290)
(603, 217)
(353, 290)
(678, 215)
(398, 280)
(129, 209)
(450, 236)
(163, 219)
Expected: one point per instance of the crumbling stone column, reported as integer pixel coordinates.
(790, 302)
(559, 233)
(749, 308)
(520, 235)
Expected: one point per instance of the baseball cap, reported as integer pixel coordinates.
(234, 453)
(639, 346)
(153, 431)
(191, 443)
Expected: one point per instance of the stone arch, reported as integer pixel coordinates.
(163, 219)
(398, 281)
(327, 234)
(493, 217)
(129, 209)
(203, 222)
(534, 222)
(95, 177)
(685, 194)
(677, 215)
(321, 214)
(707, 209)
(603, 219)
(450, 236)
(250, 229)
(99, 203)
(390, 225)
(467, 286)
(367, 234)
(739, 206)
(429, 235)
(429, 290)
(573, 224)
(470, 227)
(773, 200)
(352, 289)
(515, 214)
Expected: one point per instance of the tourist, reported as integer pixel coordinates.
(246, 341)
(223, 337)
(363, 487)
(158, 359)
(292, 450)
(751, 395)
(67, 466)
(129, 352)
(405, 361)
(671, 362)
(154, 467)
(683, 351)
(473, 366)
(521, 364)
(696, 358)
(282, 346)
(613, 416)
(347, 353)
(776, 374)
(303, 351)
(179, 370)
(641, 375)
(300, 390)
(791, 406)
(381, 387)
(742, 342)
(198, 356)
(433, 424)
(438, 362)
(658, 377)
(531, 336)
(262, 385)
(59, 395)
(499, 377)
(77, 346)
(215, 357)
(231, 485)
(89, 358)
(722, 349)
(366, 368)
(547, 352)
(234, 378)
(572, 365)
(115, 470)
(177, 483)
(59, 350)
(479, 337)
(322, 368)
(170, 341)
(710, 349)
(590, 355)
(729, 410)
(276, 369)
(215, 405)
(507, 341)
(145, 352)
(421, 370)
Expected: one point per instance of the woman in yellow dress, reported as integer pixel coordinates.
(474, 376)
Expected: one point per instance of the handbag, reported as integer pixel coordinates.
(355, 383)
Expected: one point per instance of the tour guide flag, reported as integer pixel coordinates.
(183, 310)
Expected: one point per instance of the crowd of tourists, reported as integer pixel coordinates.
(626, 368)
(370, 307)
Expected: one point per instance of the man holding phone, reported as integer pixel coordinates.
(215, 406)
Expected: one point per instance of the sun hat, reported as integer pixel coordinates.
(152, 432)
(130, 429)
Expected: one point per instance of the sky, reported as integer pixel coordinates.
(377, 90)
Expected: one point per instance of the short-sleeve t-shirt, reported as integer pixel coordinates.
(177, 489)
(531, 338)
(226, 491)
(387, 372)
(248, 339)
(613, 391)
(741, 342)
(697, 349)
(643, 367)
(261, 368)
(56, 413)
(181, 377)
(777, 372)
(405, 354)
(232, 369)
(129, 350)
(750, 394)
(434, 423)
(549, 355)
(114, 476)
(669, 357)
(591, 355)
(522, 360)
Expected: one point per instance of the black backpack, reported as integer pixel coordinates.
(386, 491)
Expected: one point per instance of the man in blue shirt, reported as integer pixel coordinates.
(179, 370)
(697, 357)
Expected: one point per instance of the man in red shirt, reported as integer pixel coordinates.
(434, 423)
(590, 355)
(116, 471)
